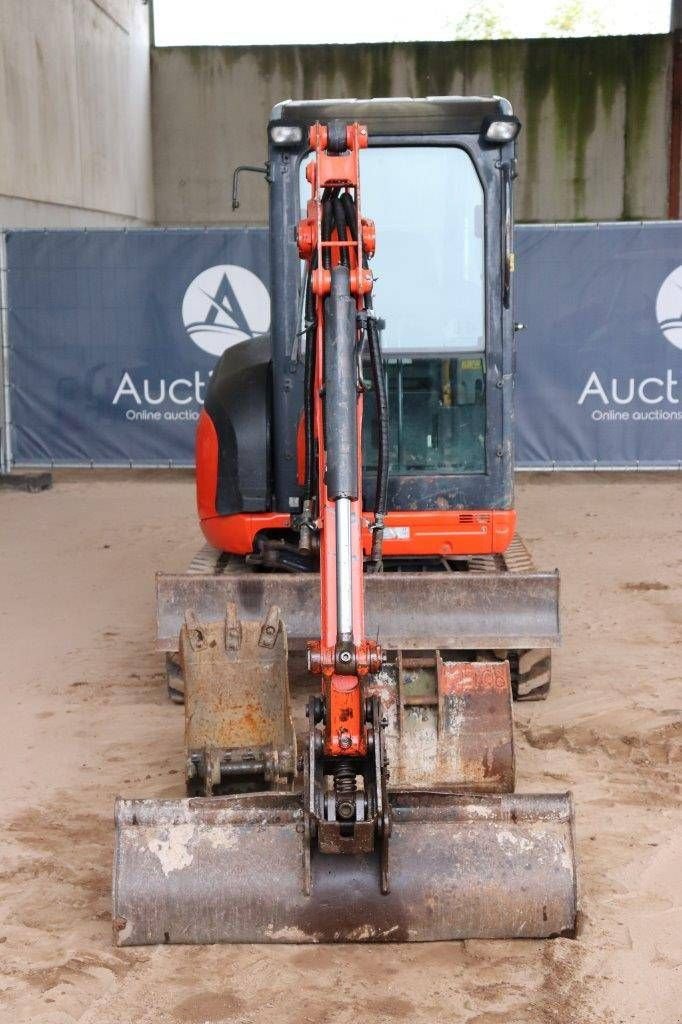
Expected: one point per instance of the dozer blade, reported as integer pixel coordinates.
(458, 610)
(229, 869)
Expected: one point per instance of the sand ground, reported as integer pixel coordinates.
(84, 716)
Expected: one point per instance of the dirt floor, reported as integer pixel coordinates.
(85, 716)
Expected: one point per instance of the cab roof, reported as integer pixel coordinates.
(431, 115)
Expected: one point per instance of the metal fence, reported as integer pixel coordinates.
(109, 338)
(5, 409)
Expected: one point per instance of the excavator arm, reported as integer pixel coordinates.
(345, 731)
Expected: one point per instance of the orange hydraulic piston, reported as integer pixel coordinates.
(345, 732)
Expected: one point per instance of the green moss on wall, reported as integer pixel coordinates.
(277, 63)
(581, 75)
(503, 62)
(434, 68)
(563, 87)
(648, 61)
(310, 72)
(441, 69)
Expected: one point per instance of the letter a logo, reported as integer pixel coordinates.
(669, 307)
(224, 305)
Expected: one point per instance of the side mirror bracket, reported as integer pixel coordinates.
(263, 169)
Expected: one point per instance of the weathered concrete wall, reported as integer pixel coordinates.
(75, 129)
(596, 115)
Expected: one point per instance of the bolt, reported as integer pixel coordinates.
(345, 657)
(345, 809)
(318, 709)
(345, 740)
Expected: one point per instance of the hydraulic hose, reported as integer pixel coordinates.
(327, 224)
(380, 398)
(341, 228)
(379, 385)
(310, 355)
(308, 385)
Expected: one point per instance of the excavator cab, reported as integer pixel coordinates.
(354, 482)
(437, 176)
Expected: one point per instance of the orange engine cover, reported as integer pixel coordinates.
(446, 533)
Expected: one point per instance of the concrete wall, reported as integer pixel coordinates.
(75, 129)
(596, 115)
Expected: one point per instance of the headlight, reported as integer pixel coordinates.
(286, 134)
(499, 130)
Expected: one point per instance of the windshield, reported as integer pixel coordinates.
(428, 206)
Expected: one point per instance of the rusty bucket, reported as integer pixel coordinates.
(448, 723)
(238, 724)
(229, 869)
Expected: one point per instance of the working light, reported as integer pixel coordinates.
(501, 129)
(286, 135)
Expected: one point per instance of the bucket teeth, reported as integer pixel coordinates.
(270, 628)
(194, 631)
(469, 858)
(238, 725)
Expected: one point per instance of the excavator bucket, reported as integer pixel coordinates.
(467, 857)
(230, 869)
(448, 723)
(238, 725)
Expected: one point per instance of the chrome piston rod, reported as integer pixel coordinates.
(341, 427)
(344, 577)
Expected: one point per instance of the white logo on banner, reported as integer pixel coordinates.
(669, 307)
(224, 305)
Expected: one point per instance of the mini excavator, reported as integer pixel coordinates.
(354, 482)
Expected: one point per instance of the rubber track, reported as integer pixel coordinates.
(210, 562)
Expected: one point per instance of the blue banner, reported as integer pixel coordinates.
(113, 335)
(600, 360)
